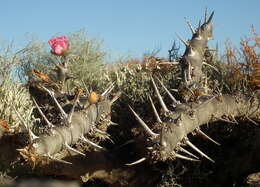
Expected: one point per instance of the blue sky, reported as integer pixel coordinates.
(128, 28)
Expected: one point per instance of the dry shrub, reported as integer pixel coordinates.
(85, 57)
(133, 77)
(242, 71)
(12, 94)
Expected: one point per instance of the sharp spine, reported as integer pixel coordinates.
(197, 149)
(42, 114)
(168, 92)
(51, 93)
(92, 143)
(206, 15)
(72, 149)
(155, 111)
(190, 26)
(207, 137)
(72, 109)
(124, 144)
(210, 17)
(169, 63)
(160, 97)
(136, 162)
(101, 132)
(222, 119)
(252, 121)
(187, 152)
(105, 134)
(147, 129)
(189, 72)
(32, 136)
(116, 97)
(185, 158)
(108, 90)
(57, 160)
(205, 63)
(183, 41)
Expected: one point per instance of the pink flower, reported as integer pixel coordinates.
(59, 45)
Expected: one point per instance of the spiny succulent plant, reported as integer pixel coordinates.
(167, 137)
(66, 118)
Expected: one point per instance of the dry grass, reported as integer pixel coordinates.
(12, 94)
(243, 64)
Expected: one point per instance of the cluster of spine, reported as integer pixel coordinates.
(193, 57)
(67, 119)
(169, 137)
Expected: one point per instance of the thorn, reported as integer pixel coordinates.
(210, 17)
(21, 150)
(222, 119)
(50, 125)
(108, 90)
(92, 143)
(142, 123)
(187, 152)
(189, 71)
(115, 98)
(183, 41)
(124, 144)
(51, 93)
(57, 160)
(207, 137)
(204, 63)
(105, 134)
(175, 90)
(155, 111)
(32, 136)
(85, 86)
(185, 158)
(206, 15)
(73, 109)
(190, 26)
(72, 149)
(108, 137)
(168, 92)
(136, 162)
(169, 63)
(101, 132)
(185, 77)
(159, 97)
(252, 121)
(113, 123)
(197, 149)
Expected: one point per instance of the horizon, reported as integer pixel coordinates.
(127, 29)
